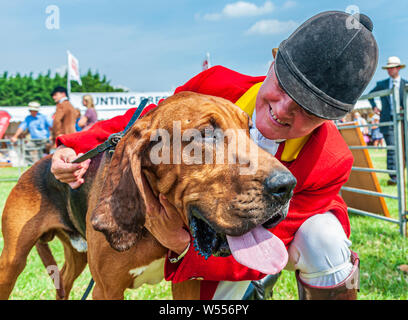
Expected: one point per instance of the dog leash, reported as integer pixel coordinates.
(110, 143)
(114, 138)
(88, 289)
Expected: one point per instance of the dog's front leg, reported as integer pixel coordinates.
(186, 290)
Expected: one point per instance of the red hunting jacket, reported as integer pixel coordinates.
(321, 168)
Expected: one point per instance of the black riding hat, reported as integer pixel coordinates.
(326, 64)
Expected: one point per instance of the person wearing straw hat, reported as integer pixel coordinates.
(393, 68)
(38, 126)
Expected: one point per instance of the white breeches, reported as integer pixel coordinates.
(319, 250)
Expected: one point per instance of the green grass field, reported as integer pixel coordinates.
(378, 243)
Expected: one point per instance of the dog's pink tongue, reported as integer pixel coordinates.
(259, 249)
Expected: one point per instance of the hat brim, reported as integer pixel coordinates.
(393, 66)
(302, 95)
(33, 109)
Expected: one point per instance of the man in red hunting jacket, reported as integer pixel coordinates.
(306, 86)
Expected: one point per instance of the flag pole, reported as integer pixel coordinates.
(208, 59)
(68, 77)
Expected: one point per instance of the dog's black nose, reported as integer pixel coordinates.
(280, 184)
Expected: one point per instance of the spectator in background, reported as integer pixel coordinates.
(361, 121)
(376, 135)
(393, 67)
(78, 117)
(65, 114)
(90, 117)
(38, 126)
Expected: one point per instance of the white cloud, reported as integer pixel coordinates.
(61, 70)
(121, 86)
(243, 9)
(289, 4)
(240, 9)
(270, 27)
(212, 16)
(267, 65)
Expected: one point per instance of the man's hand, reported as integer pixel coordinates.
(164, 222)
(64, 170)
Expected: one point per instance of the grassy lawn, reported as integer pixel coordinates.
(378, 243)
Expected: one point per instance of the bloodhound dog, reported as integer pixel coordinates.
(216, 198)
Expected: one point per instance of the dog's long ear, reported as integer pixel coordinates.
(120, 211)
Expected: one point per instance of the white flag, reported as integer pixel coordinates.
(73, 69)
(206, 63)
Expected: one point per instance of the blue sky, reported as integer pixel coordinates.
(157, 45)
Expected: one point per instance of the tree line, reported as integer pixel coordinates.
(19, 90)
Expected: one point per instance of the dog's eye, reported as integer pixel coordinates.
(207, 134)
(250, 123)
(212, 135)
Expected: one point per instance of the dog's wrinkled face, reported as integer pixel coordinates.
(196, 150)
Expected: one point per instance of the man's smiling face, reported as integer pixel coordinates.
(280, 117)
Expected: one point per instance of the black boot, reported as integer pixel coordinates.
(345, 290)
(261, 289)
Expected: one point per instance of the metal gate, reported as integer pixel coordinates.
(20, 154)
(400, 130)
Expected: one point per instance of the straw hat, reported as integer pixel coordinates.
(34, 106)
(393, 62)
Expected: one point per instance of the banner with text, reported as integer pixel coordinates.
(111, 104)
